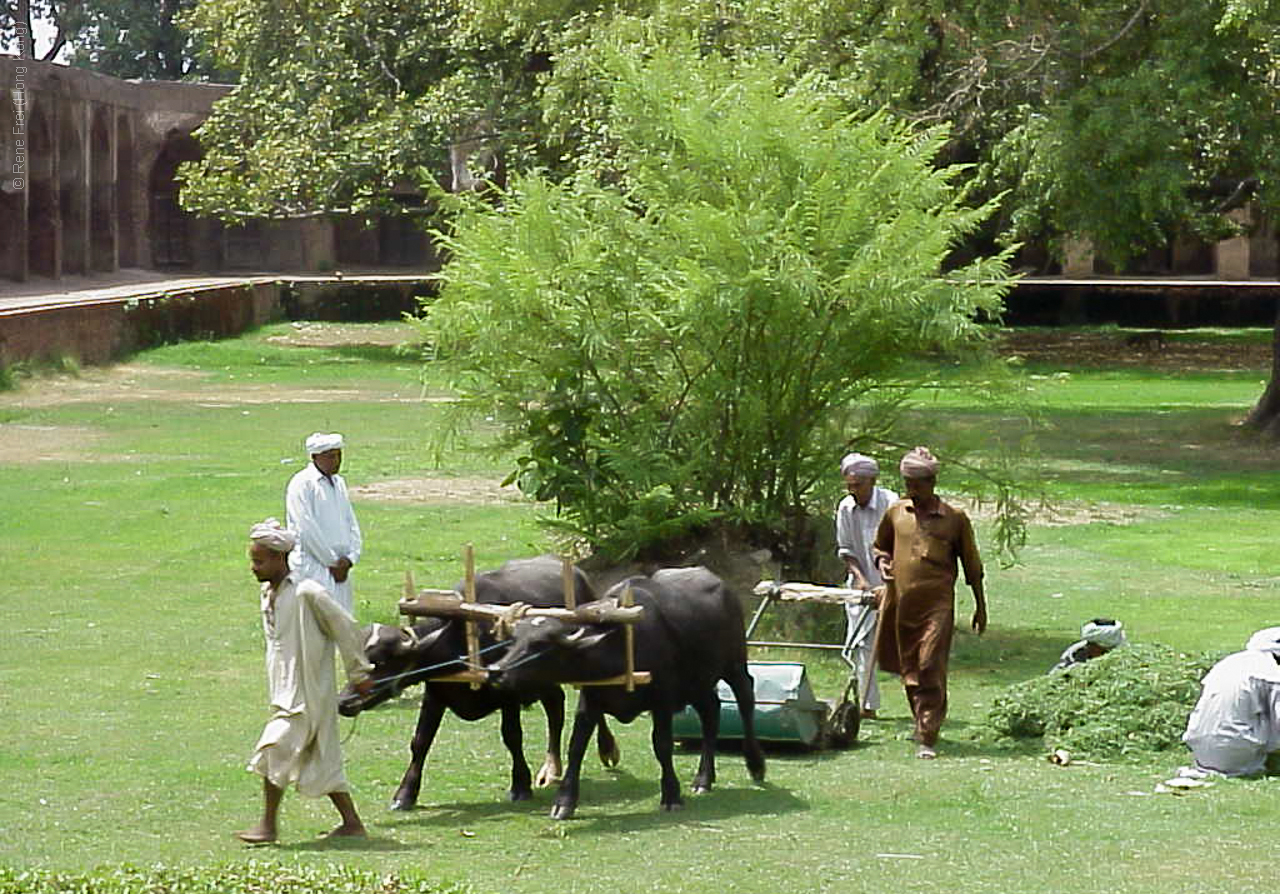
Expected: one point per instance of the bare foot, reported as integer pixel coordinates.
(346, 831)
(925, 753)
(868, 714)
(256, 835)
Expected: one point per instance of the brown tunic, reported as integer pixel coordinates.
(918, 615)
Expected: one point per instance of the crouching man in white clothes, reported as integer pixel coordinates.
(1236, 722)
(300, 745)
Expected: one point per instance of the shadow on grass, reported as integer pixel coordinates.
(718, 804)
(374, 844)
(597, 795)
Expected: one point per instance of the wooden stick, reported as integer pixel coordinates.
(469, 593)
(799, 592)
(642, 678)
(639, 678)
(448, 604)
(629, 634)
(408, 584)
(566, 579)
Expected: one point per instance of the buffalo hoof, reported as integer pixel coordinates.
(403, 803)
(673, 806)
(520, 794)
(563, 811)
(611, 757)
(701, 788)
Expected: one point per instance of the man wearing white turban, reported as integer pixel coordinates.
(1236, 722)
(300, 743)
(917, 546)
(857, 518)
(318, 508)
(1097, 637)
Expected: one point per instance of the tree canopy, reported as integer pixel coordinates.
(1130, 122)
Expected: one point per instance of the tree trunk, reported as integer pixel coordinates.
(1265, 415)
(26, 39)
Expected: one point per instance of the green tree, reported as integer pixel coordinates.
(121, 38)
(693, 337)
(138, 39)
(338, 103)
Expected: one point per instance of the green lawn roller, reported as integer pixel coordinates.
(787, 711)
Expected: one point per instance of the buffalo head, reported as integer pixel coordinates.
(545, 651)
(395, 653)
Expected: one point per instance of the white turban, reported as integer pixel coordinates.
(271, 535)
(857, 464)
(919, 463)
(1265, 640)
(320, 442)
(1105, 633)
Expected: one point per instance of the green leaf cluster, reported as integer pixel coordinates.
(1129, 702)
(697, 330)
(253, 877)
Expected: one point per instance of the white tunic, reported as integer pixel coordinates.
(318, 508)
(855, 533)
(300, 743)
(1236, 722)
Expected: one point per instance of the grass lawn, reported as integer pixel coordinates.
(132, 688)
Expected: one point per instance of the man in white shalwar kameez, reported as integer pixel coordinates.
(300, 744)
(857, 518)
(318, 508)
(1236, 722)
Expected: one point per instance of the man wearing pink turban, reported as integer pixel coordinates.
(917, 547)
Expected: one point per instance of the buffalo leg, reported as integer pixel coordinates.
(744, 693)
(708, 708)
(429, 717)
(663, 747)
(553, 706)
(585, 721)
(513, 738)
(607, 745)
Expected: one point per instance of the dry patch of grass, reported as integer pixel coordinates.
(427, 491)
(23, 444)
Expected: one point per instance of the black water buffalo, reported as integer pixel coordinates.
(690, 636)
(402, 657)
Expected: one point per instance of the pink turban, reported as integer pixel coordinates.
(919, 463)
(857, 464)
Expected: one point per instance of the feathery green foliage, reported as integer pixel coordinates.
(698, 339)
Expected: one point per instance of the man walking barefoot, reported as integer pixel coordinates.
(300, 743)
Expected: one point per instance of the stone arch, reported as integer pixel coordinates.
(73, 194)
(170, 229)
(102, 230)
(43, 236)
(126, 196)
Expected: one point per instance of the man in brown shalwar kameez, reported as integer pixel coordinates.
(916, 548)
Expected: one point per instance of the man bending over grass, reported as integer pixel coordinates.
(300, 743)
(1236, 722)
(917, 545)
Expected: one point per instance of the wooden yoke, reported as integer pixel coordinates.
(469, 593)
(448, 604)
(566, 581)
(629, 633)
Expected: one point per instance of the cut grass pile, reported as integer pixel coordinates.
(1130, 703)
